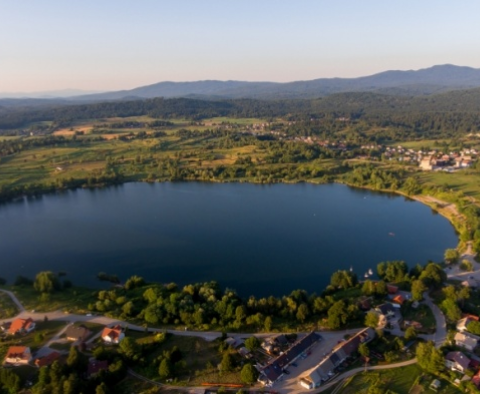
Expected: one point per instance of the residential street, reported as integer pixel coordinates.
(290, 382)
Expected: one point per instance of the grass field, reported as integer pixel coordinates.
(423, 314)
(427, 144)
(74, 300)
(44, 330)
(465, 181)
(198, 364)
(399, 380)
(7, 307)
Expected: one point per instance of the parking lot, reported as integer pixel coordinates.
(289, 382)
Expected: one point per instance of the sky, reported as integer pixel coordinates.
(118, 44)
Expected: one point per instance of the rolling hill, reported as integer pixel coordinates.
(427, 81)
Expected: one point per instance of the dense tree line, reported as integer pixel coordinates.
(206, 305)
(444, 114)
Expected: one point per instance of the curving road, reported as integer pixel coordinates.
(362, 369)
(14, 299)
(329, 337)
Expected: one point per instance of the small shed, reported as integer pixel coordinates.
(435, 385)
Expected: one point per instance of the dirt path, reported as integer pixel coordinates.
(447, 209)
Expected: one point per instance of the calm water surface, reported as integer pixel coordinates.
(256, 239)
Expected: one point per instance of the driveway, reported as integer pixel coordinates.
(473, 277)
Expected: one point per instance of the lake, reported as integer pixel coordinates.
(257, 239)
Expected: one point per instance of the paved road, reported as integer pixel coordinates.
(15, 300)
(289, 386)
(440, 335)
(57, 336)
(107, 321)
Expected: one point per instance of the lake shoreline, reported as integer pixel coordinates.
(441, 207)
(295, 224)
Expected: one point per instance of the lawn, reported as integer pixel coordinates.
(74, 300)
(464, 180)
(198, 364)
(44, 331)
(423, 314)
(7, 307)
(62, 347)
(399, 380)
(93, 327)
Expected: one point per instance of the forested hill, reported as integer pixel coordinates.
(408, 83)
(351, 105)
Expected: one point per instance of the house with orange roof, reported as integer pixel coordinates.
(113, 335)
(47, 360)
(21, 326)
(398, 299)
(392, 289)
(18, 355)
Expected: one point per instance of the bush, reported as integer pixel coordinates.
(466, 265)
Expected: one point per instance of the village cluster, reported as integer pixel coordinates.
(311, 359)
(77, 335)
(326, 360)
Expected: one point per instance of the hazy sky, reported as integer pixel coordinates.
(119, 44)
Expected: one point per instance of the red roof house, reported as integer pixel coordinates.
(18, 355)
(21, 326)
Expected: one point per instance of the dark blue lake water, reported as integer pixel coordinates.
(256, 239)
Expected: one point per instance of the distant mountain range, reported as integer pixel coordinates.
(424, 82)
(427, 81)
(49, 94)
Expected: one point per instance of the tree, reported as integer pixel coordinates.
(22, 281)
(73, 358)
(429, 358)
(411, 186)
(433, 275)
(249, 374)
(101, 389)
(165, 369)
(227, 363)
(337, 315)
(451, 256)
(363, 350)
(474, 327)
(128, 308)
(418, 288)
(38, 337)
(392, 271)
(381, 288)
(343, 279)
(10, 381)
(240, 313)
(70, 385)
(410, 333)
(267, 324)
(451, 309)
(371, 320)
(252, 343)
(152, 314)
(368, 287)
(133, 282)
(302, 313)
(466, 265)
(129, 347)
(46, 282)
